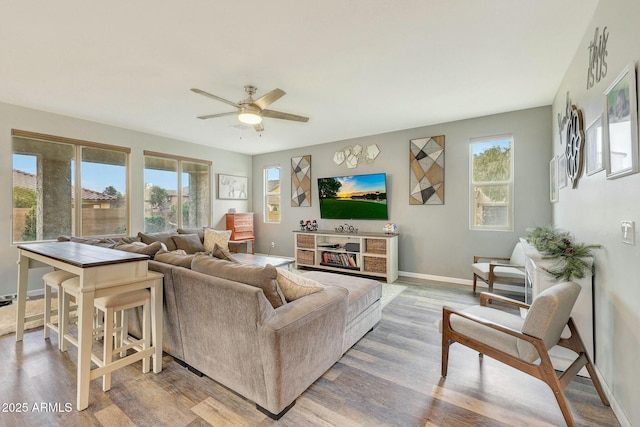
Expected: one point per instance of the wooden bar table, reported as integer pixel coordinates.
(102, 272)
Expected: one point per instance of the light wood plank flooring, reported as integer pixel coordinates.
(389, 378)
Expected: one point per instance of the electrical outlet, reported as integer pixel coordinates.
(628, 232)
(273, 244)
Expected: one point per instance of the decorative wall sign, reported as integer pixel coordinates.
(301, 181)
(621, 125)
(562, 120)
(232, 187)
(574, 148)
(426, 163)
(355, 155)
(597, 54)
(594, 148)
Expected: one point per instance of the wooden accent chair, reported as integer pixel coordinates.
(499, 269)
(523, 343)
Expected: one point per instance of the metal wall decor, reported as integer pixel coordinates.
(354, 155)
(597, 57)
(301, 181)
(575, 146)
(426, 164)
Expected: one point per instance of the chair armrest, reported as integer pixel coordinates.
(299, 342)
(477, 258)
(485, 297)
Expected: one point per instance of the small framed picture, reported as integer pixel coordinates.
(621, 125)
(232, 187)
(562, 171)
(553, 180)
(595, 162)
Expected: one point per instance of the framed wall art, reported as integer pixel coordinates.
(621, 125)
(553, 180)
(562, 171)
(232, 187)
(301, 181)
(426, 171)
(595, 162)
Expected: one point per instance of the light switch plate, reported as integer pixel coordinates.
(628, 232)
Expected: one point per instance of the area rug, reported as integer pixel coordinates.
(389, 292)
(8, 315)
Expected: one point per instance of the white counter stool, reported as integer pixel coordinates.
(53, 281)
(114, 330)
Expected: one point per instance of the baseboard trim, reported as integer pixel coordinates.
(455, 280)
(615, 406)
(445, 279)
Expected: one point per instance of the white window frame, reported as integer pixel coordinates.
(509, 183)
(266, 193)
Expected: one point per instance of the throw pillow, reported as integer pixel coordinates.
(164, 237)
(211, 237)
(174, 258)
(260, 277)
(198, 231)
(140, 248)
(190, 243)
(219, 252)
(295, 286)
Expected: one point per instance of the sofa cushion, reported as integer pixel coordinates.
(219, 252)
(295, 286)
(260, 277)
(140, 248)
(211, 237)
(362, 292)
(190, 243)
(173, 258)
(163, 237)
(198, 231)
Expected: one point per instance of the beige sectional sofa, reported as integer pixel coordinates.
(217, 324)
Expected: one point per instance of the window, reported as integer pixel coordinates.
(491, 163)
(47, 184)
(272, 194)
(177, 192)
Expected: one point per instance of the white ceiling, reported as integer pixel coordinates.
(356, 68)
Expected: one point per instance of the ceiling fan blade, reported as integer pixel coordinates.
(217, 98)
(269, 98)
(285, 116)
(258, 127)
(213, 116)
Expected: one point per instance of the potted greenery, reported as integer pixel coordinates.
(573, 258)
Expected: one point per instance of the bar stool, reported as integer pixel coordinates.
(53, 281)
(114, 330)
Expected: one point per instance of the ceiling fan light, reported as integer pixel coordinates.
(249, 117)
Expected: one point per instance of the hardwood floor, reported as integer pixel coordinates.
(389, 378)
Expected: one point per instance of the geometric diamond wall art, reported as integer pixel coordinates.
(301, 181)
(426, 161)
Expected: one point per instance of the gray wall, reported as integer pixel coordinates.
(12, 117)
(594, 210)
(435, 241)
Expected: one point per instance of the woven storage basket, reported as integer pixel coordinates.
(376, 246)
(375, 265)
(305, 257)
(306, 241)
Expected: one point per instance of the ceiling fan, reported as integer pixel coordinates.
(251, 111)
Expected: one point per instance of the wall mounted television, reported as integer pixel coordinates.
(353, 197)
